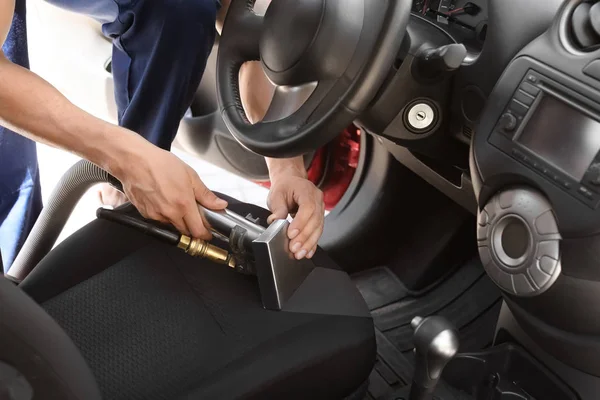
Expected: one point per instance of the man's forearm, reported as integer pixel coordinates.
(256, 94)
(32, 107)
(279, 167)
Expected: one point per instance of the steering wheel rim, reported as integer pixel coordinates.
(342, 59)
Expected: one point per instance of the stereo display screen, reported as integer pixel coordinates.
(562, 136)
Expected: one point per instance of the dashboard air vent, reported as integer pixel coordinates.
(585, 25)
(467, 131)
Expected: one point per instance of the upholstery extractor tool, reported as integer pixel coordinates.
(253, 249)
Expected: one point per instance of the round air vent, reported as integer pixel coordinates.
(585, 26)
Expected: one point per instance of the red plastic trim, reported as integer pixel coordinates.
(334, 165)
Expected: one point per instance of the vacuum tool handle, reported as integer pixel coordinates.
(224, 221)
(221, 222)
(193, 247)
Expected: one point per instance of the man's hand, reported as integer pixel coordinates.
(292, 193)
(164, 188)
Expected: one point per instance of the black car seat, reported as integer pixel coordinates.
(145, 321)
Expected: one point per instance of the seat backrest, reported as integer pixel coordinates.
(37, 358)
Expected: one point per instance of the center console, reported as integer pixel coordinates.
(535, 161)
(553, 130)
(543, 131)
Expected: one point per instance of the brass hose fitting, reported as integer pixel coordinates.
(203, 249)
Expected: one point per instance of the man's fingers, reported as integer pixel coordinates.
(177, 222)
(195, 224)
(149, 212)
(205, 196)
(276, 215)
(307, 239)
(278, 207)
(181, 226)
(308, 236)
(306, 209)
(311, 244)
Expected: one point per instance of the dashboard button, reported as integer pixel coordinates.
(529, 89)
(483, 225)
(506, 199)
(560, 181)
(593, 69)
(518, 155)
(521, 285)
(593, 175)
(518, 108)
(548, 248)
(483, 218)
(482, 232)
(585, 192)
(524, 98)
(508, 122)
(532, 78)
(539, 276)
(485, 255)
(545, 224)
(594, 180)
(547, 264)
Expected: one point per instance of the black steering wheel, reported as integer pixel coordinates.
(328, 59)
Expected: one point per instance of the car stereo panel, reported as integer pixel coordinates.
(547, 130)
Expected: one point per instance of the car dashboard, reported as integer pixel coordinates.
(513, 136)
(492, 33)
(465, 21)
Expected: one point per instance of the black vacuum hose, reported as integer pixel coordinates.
(73, 185)
(146, 228)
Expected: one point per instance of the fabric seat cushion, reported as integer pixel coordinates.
(154, 323)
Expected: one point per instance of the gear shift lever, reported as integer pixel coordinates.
(436, 342)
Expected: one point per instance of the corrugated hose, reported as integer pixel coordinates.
(73, 185)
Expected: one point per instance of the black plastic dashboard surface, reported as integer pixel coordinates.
(561, 70)
(561, 321)
(512, 24)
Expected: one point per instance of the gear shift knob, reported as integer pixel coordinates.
(436, 343)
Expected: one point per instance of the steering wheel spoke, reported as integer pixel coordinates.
(292, 109)
(287, 100)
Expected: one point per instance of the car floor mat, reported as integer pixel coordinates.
(467, 298)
